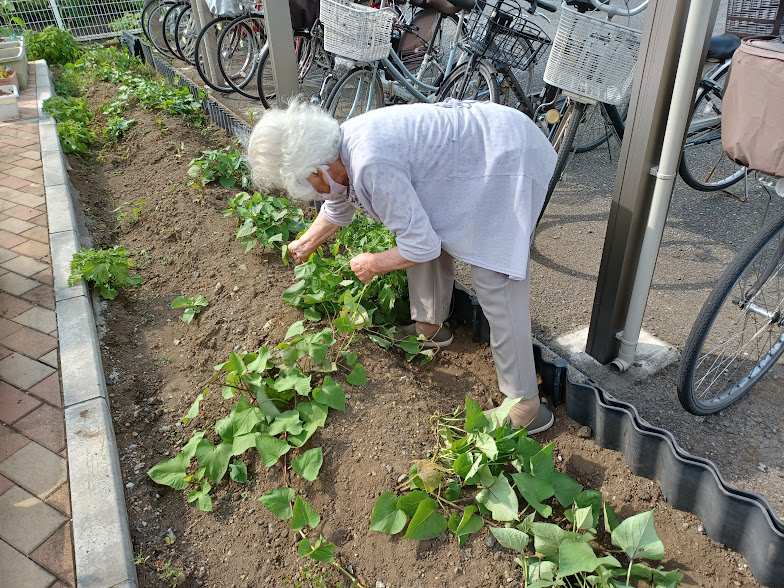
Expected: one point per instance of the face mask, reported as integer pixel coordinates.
(335, 189)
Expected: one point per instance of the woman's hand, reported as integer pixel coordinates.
(362, 265)
(299, 252)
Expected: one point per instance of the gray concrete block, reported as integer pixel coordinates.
(54, 169)
(64, 245)
(47, 130)
(43, 84)
(59, 209)
(102, 541)
(80, 358)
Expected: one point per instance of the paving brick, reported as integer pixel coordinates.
(22, 173)
(41, 220)
(6, 485)
(12, 182)
(14, 403)
(45, 426)
(9, 240)
(16, 225)
(10, 441)
(28, 163)
(32, 155)
(17, 285)
(5, 204)
(47, 476)
(42, 295)
(40, 319)
(7, 327)
(45, 276)
(38, 233)
(56, 555)
(32, 249)
(30, 342)
(11, 306)
(6, 352)
(34, 188)
(23, 265)
(20, 142)
(48, 389)
(23, 372)
(17, 570)
(21, 211)
(49, 359)
(61, 499)
(7, 254)
(22, 197)
(26, 522)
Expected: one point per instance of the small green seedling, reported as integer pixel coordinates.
(192, 306)
(136, 212)
(107, 269)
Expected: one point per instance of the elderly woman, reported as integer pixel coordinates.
(454, 180)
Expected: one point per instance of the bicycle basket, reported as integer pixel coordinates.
(592, 57)
(357, 32)
(754, 17)
(497, 30)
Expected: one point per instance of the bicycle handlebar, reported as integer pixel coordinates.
(613, 10)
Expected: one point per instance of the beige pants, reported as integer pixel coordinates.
(505, 303)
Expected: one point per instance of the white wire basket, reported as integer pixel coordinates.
(755, 17)
(592, 56)
(357, 32)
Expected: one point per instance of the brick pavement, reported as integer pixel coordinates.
(36, 536)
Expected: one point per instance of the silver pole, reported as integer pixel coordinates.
(281, 43)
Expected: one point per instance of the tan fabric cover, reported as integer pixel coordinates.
(752, 120)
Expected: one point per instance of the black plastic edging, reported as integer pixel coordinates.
(741, 520)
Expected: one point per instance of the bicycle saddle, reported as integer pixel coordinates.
(722, 47)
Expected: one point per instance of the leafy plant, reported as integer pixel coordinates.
(107, 269)
(116, 127)
(136, 211)
(170, 575)
(73, 122)
(513, 481)
(226, 166)
(56, 46)
(127, 22)
(192, 306)
(69, 81)
(267, 220)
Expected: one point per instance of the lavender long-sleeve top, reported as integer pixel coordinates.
(466, 177)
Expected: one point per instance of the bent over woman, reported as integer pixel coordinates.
(454, 180)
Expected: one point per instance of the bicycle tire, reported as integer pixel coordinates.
(704, 166)
(247, 36)
(215, 26)
(170, 28)
(597, 128)
(143, 17)
(413, 45)
(722, 322)
(186, 34)
(358, 91)
(563, 142)
(155, 19)
(471, 82)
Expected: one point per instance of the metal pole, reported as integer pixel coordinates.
(650, 101)
(57, 17)
(204, 16)
(281, 44)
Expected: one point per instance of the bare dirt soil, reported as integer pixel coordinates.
(155, 365)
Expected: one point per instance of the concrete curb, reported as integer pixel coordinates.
(102, 539)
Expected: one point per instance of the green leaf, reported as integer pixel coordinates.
(566, 489)
(350, 356)
(535, 491)
(426, 522)
(543, 574)
(548, 538)
(330, 394)
(296, 329)
(575, 557)
(293, 380)
(307, 432)
(261, 362)
(592, 498)
(194, 409)
(526, 449)
(357, 377)
(462, 465)
(279, 502)
(214, 459)
(611, 521)
(476, 469)
(304, 515)
(324, 553)
(637, 537)
(313, 412)
(171, 472)
(286, 422)
(542, 465)
(467, 524)
(486, 444)
(499, 415)
(510, 538)
(180, 301)
(308, 464)
(202, 496)
(410, 502)
(270, 449)
(499, 498)
(387, 516)
(583, 519)
(452, 491)
(475, 418)
(189, 449)
(312, 315)
(242, 443)
(238, 471)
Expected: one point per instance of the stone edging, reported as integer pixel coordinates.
(102, 540)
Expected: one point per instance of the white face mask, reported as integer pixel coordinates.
(335, 189)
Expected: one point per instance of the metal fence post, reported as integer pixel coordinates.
(648, 109)
(56, 11)
(281, 43)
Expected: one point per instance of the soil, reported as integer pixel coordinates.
(155, 365)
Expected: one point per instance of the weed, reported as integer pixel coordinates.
(135, 213)
(267, 220)
(128, 21)
(192, 306)
(73, 122)
(107, 269)
(170, 575)
(140, 558)
(116, 127)
(56, 46)
(226, 166)
(162, 124)
(166, 260)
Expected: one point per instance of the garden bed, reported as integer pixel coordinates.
(155, 366)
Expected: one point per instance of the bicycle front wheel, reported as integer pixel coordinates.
(704, 166)
(471, 82)
(597, 126)
(357, 92)
(239, 53)
(739, 333)
(186, 34)
(563, 142)
(205, 54)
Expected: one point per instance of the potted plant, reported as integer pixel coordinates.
(8, 77)
(9, 103)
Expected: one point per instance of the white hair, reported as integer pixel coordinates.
(286, 146)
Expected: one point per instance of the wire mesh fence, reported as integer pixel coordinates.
(85, 19)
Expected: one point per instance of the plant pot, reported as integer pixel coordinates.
(13, 80)
(9, 103)
(12, 54)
